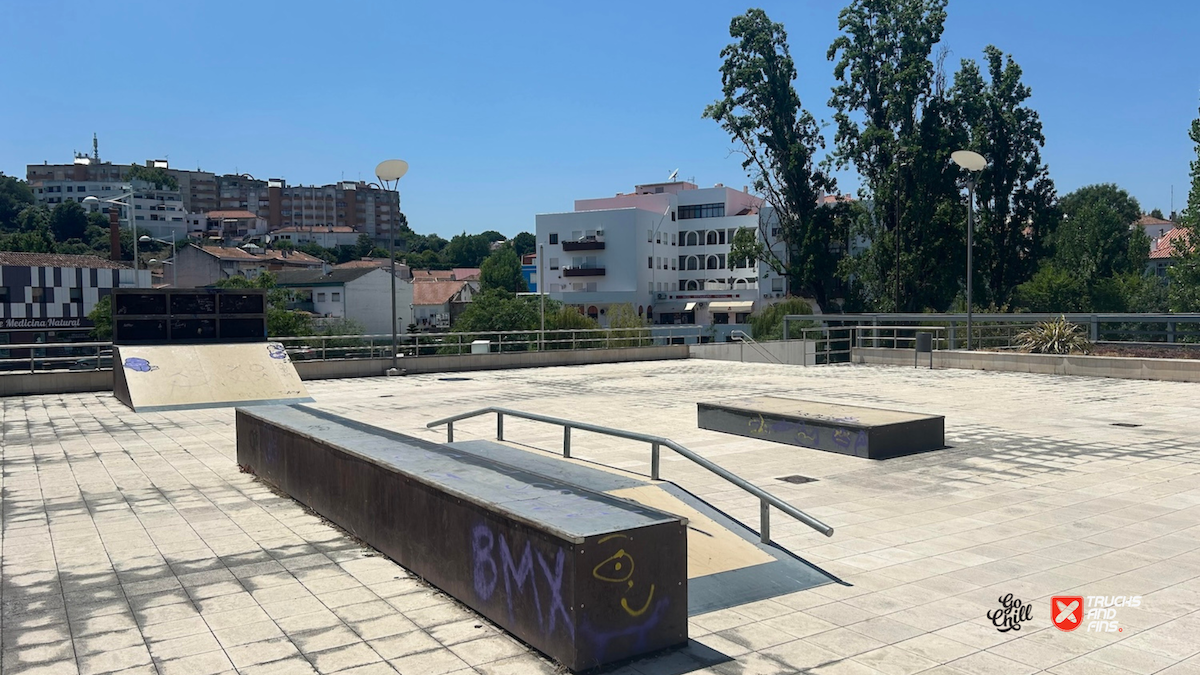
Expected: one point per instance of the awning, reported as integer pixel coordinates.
(739, 306)
(691, 306)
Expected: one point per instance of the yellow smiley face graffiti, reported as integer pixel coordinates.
(618, 568)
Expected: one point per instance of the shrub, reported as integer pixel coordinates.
(767, 323)
(1055, 337)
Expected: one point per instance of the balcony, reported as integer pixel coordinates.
(585, 244)
(585, 271)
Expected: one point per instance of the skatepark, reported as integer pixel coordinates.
(134, 541)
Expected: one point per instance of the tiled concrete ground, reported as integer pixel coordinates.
(132, 544)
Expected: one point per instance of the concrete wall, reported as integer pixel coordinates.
(62, 382)
(1122, 367)
(55, 382)
(792, 352)
(317, 370)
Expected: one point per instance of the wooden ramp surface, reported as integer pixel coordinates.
(153, 378)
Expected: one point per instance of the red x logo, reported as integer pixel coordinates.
(1066, 611)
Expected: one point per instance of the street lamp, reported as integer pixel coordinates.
(389, 172)
(94, 201)
(146, 239)
(973, 162)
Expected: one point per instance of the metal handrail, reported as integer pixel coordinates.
(766, 499)
(744, 338)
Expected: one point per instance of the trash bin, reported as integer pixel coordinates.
(924, 344)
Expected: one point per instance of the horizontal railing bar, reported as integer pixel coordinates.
(652, 439)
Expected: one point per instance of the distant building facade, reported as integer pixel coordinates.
(200, 266)
(361, 295)
(362, 207)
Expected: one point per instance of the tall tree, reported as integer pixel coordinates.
(1014, 194)
(524, 243)
(15, 196)
(467, 250)
(502, 270)
(763, 115)
(68, 220)
(1184, 291)
(897, 128)
(1095, 239)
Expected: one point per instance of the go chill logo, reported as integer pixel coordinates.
(1097, 612)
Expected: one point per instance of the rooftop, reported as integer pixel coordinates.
(1165, 246)
(436, 292)
(133, 541)
(335, 277)
(18, 259)
(236, 214)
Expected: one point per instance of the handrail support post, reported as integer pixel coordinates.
(764, 521)
(449, 432)
(655, 455)
(566, 442)
(499, 426)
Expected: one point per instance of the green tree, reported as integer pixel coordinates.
(1053, 289)
(281, 322)
(762, 113)
(101, 318)
(896, 126)
(492, 236)
(1095, 239)
(626, 327)
(155, 176)
(767, 323)
(1157, 213)
(502, 270)
(524, 243)
(68, 220)
(1184, 274)
(15, 196)
(498, 310)
(1014, 194)
(467, 250)
(33, 233)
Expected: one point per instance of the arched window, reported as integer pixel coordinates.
(693, 238)
(693, 263)
(713, 263)
(641, 310)
(649, 312)
(693, 285)
(711, 237)
(741, 283)
(593, 312)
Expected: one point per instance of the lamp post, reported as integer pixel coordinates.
(389, 172)
(973, 162)
(93, 201)
(145, 239)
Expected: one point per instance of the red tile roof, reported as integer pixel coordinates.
(1149, 221)
(227, 253)
(436, 292)
(1165, 248)
(20, 259)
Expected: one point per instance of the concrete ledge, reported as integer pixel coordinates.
(1120, 367)
(55, 382)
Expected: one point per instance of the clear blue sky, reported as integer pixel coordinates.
(509, 109)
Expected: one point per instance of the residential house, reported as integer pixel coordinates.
(456, 274)
(198, 266)
(1155, 228)
(436, 304)
(329, 236)
(402, 270)
(1165, 250)
(359, 294)
(235, 225)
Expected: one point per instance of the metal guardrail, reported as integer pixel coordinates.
(745, 338)
(766, 499)
(72, 356)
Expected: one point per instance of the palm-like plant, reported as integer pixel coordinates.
(1055, 337)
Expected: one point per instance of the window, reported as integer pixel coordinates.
(70, 189)
(650, 262)
(702, 211)
(39, 295)
(320, 297)
(672, 238)
(336, 297)
(658, 238)
(76, 294)
(658, 190)
(650, 287)
(4, 294)
(553, 237)
(554, 263)
(649, 236)
(672, 216)
(777, 285)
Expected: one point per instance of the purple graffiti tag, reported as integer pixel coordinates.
(554, 581)
(520, 574)
(486, 575)
(139, 365)
(860, 444)
(639, 632)
(276, 351)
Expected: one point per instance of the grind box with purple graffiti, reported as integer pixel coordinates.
(585, 577)
(873, 433)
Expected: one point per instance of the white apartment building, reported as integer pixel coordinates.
(159, 213)
(664, 249)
